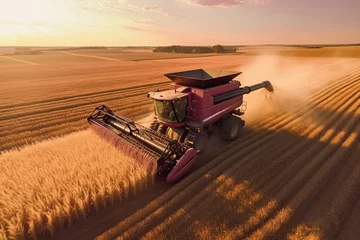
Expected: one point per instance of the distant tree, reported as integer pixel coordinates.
(218, 49)
(194, 49)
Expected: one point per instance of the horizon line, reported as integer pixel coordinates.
(267, 44)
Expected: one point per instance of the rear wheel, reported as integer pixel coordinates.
(230, 127)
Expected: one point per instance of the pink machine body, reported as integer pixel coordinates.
(200, 101)
(201, 108)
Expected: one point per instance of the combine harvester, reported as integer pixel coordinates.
(197, 103)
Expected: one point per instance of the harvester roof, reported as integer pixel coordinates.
(201, 78)
(168, 95)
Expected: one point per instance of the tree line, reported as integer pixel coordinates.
(195, 49)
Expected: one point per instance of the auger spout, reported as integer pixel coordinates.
(245, 90)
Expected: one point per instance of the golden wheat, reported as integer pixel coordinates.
(47, 186)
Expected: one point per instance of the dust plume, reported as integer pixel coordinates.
(293, 80)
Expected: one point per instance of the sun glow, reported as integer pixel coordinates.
(20, 18)
(31, 12)
(24, 22)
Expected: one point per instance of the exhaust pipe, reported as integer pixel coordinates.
(245, 90)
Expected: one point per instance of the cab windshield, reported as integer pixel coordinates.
(171, 111)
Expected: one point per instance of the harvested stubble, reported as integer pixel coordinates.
(47, 186)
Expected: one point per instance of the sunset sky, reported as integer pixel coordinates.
(185, 22)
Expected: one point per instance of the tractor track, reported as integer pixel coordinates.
(38, 120)
(69, 101)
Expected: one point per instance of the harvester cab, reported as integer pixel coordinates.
(170, 107)
(197, 103)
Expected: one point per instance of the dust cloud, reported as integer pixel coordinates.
(293, 80)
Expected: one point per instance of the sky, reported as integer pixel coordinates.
(180, 22)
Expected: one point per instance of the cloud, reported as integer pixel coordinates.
(120, 6)
(157, 9)
(154, 8)
(134, 28)
(142, 29)
(224, 3)
(145, 22)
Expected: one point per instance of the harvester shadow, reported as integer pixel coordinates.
(215, 145)
(233, 202)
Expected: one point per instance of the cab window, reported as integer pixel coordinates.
(171, 111)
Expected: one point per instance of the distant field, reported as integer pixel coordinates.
(6, 50)
(139, 54)
(88, 56)
(52, 93)
(289, 51)
(344, 52)
(134, 55)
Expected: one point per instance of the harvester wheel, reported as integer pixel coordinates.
(230, 127)
(154, 125)
(162, 129)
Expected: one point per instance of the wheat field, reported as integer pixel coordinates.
(292, 174)
(48, 186)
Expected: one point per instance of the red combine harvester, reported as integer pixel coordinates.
(197, 103)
